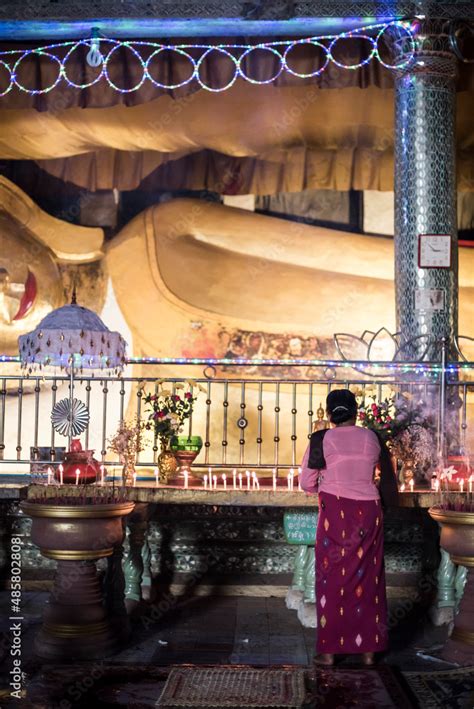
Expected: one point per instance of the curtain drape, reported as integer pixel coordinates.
(125, 70)
(250, 139)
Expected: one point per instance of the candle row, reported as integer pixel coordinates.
(50, 475)
(249, 481)
(210, 481)
(435, 485)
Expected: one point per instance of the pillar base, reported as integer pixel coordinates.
(67, 642)
(307, 615)
(294, 598)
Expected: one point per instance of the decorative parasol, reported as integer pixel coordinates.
(72, 338)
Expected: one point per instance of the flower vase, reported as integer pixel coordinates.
(407, 471)
(167, 463)
(186, 449)
(128, 470)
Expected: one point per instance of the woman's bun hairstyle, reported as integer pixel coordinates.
(341, 406)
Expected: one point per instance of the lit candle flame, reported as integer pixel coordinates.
(234, 479)
(205, 481)
(461, 485)
(248, 479)
(50, 475)
(224, 481)
(186, 474)
(78, 473)
(240, 481)
(215, 482)
(61, 473)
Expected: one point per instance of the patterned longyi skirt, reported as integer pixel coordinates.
(351, 599)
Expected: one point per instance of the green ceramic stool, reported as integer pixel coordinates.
(300, 530)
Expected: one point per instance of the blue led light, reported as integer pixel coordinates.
(104, 49)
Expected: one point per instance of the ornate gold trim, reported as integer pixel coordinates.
(451, 517)
(463, 635)
(462, 560)
(67, 630)
(40, 509)
(76, 554)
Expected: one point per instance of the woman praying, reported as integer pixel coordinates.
(339, 464)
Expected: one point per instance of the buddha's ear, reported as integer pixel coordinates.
(70, 243)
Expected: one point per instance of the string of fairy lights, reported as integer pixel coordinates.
(415, 367)
(101, 50)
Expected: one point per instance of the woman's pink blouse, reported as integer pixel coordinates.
(351, 454)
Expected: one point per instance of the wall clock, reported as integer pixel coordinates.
(434, 250)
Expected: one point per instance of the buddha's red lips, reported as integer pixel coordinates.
(28, 298)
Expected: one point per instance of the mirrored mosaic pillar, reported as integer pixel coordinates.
(425, 191)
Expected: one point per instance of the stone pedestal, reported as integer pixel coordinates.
(75, 617)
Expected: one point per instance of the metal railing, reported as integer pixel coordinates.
(244, 422)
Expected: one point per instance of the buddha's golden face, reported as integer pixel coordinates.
(30, 283)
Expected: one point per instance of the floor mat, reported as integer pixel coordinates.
(449, 689)
(233, 687)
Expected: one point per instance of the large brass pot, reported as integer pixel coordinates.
(457, 538)
(76, 624)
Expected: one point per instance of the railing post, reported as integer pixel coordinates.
(442, 403)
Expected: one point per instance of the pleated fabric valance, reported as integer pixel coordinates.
(171, 68)
(250, 139)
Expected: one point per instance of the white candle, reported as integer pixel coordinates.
(411, 484)
(461, 485)
(234, 479)
(157, 476)
(61, 473)
(470, 483)
(224, 481)
(186, 475)
(102, 474)
(50, 476)
(78, 473)
(274, 481)
(205, 481)
(240, 481)
(215, 482)
(254, 480)
(436, 485)
(134, 479)
(248, 479)
(402, 487)
(290, 479)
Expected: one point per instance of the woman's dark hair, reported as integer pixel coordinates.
(341, 406)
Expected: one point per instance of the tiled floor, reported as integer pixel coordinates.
(225, 630)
